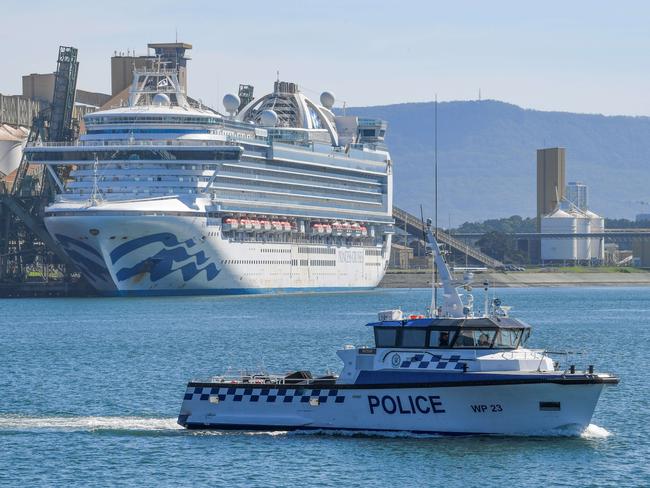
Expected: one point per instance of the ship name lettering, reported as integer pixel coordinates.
(407, 405)
(350, 256)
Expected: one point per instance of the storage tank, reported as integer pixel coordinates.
(559, 249)
(12, 141)
(583, 244)
(596, 225)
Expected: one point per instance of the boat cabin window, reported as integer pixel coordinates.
(412, 337)
(385, 337)
(475, 338)
(508, 338)
(524, 337)
(440, 338)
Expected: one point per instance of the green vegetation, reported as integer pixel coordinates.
(501, 246)
(626, 224)
(507, 225)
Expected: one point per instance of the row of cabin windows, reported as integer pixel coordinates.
(260, 173)
(412, 337)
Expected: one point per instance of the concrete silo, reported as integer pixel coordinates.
(559, 249)
(597, 244)
(583, 225)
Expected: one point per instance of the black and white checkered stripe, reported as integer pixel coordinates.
(264, 394)
(431, 361)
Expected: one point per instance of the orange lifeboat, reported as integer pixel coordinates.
(230, 224)
(247, 224)
(265, 224)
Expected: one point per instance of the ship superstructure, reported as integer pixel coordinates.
(166, 196)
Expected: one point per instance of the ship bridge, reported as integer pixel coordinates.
(287, 110)
(287, 107)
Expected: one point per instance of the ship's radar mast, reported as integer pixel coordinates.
(156, 84)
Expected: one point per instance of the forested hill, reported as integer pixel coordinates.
(486, 155)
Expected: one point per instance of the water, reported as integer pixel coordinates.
(90, 390)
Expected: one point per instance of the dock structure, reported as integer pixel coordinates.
(415, 227)
(31, 262)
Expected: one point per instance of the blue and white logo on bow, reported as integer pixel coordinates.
(162, 263)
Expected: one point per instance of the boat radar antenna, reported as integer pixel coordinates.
(452, 305)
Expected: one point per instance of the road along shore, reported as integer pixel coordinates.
(422, 279)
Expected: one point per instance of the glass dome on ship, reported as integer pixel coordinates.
(166, 196)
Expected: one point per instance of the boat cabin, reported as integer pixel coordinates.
(451, 333)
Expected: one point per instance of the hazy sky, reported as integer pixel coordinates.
(582, 56)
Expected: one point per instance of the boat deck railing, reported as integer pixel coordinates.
(270, 379)
(569, 361)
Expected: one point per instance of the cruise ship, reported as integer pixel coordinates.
(164, 196)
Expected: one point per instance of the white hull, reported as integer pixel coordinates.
(190, 255)
(511, 409)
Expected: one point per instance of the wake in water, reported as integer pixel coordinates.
(18, 422)
(594, 432)
(591, 432)
(147, 424)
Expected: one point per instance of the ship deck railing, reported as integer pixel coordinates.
(262, 379)
(127, 142)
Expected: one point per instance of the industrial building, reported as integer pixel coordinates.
(568, 219)
(172, 54)
(551, 180)
(576, 193)
(641, 252)
(563, 209)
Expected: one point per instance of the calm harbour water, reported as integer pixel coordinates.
(90, 390)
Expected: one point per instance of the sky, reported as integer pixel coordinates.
(575, 56)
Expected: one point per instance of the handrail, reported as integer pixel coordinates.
(447, 239)
(111, 143)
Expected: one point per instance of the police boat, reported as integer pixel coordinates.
(447, 372)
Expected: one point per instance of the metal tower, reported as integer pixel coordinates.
(65, 86)
(25, 245)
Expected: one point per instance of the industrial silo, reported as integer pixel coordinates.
(583, 244)
(597, 244)
(559, 249)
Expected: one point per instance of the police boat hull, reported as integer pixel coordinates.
(509, 406)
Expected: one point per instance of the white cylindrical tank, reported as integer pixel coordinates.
(583, 244)
(12, 142)
(559, 249)
(596, 225)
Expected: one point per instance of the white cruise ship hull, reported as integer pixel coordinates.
(171, 255)
(536, 408)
